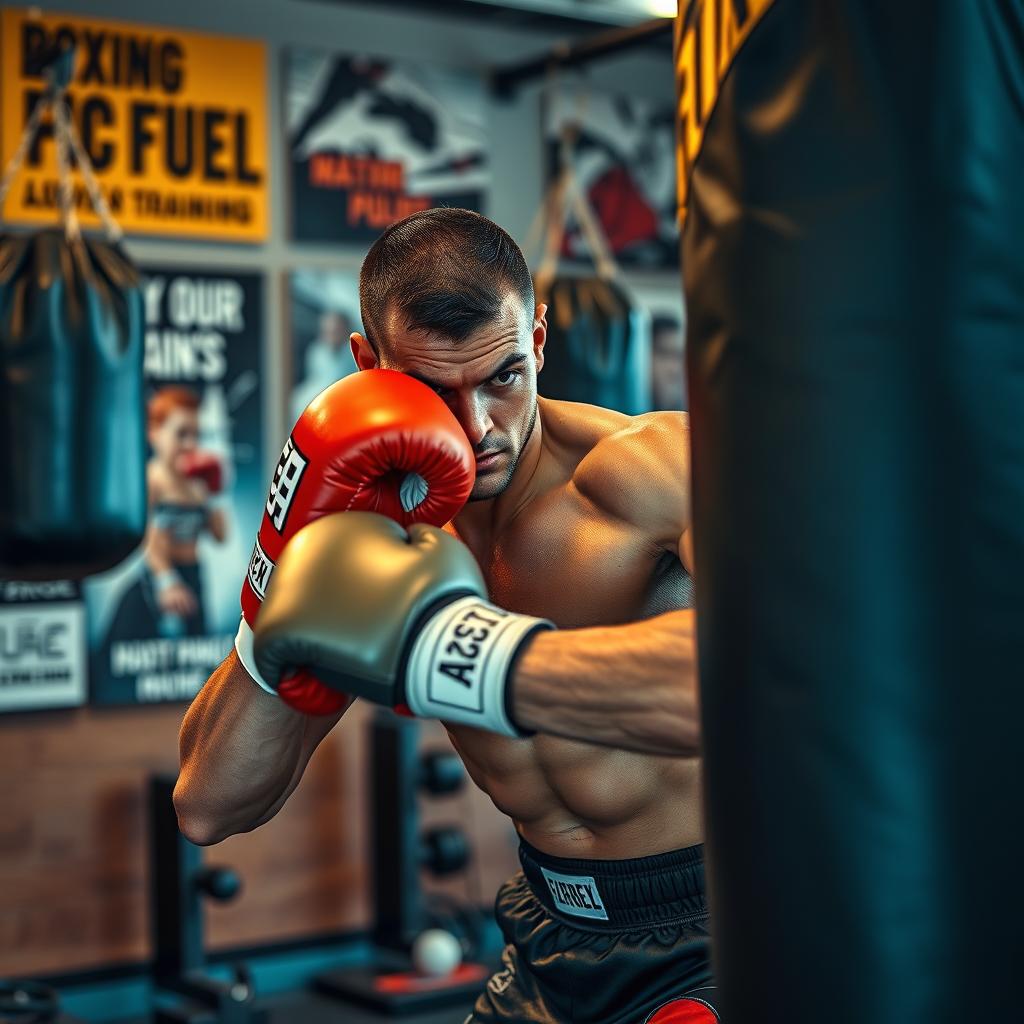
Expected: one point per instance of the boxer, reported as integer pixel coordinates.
(184, 485)
(577, 519)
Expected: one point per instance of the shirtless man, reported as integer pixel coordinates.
(578, 516)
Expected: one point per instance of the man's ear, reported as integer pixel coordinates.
(540, 334)
(362, 352)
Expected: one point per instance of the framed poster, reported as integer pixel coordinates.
(174, 124)
(163, 619)
(624, 160)
(42, 645)
(323, 311)
(372, 141)
(668, 345)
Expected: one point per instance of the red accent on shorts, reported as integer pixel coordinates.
(683, 1011)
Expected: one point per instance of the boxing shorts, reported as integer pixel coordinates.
(602, 942)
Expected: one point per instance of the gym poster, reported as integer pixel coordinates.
(373, 141)
(625, 162)
(323, 312)
(178, 147)
(163, 619)
(42, 645)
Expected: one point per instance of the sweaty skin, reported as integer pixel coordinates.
(579, 515)
(595, 539)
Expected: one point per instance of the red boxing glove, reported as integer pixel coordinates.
(205, 466)
(375, 441)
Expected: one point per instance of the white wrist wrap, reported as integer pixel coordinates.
(459, 665)
(165, 579)
(243, 648)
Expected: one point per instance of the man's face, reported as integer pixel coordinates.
(489, 381)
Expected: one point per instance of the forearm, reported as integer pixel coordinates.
(632, 686)
(242, 753)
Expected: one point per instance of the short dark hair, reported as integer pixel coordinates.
(446, 271)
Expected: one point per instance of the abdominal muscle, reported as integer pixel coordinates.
(568, 798)
(572, 799)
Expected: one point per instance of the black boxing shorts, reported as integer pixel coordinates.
(602, 942)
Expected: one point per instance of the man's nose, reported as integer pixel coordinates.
(474, 418)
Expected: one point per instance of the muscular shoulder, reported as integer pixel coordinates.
(640, 473)
(577, 428)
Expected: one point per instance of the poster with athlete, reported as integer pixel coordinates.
(165, 617)
(372, 141)
(623, 155)
(667, 311)
(323, 311)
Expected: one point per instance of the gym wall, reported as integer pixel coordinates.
(73, 858)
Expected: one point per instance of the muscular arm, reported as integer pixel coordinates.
(632, 686)
(242, 753)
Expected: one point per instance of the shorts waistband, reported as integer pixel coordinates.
(613, 893)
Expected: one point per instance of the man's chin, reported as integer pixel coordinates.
(485, 493)
(485, 489)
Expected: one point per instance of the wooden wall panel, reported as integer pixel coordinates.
(73, 842)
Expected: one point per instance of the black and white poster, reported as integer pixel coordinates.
(165, 617)
(323, 311)
(624, 159)
(372, 141)
(42, 645)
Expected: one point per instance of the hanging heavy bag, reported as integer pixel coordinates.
(598, 342)
(595, 347)
(855, 298)
(72, 444)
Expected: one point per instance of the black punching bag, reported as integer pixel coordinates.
(72, 441)
(853, 253)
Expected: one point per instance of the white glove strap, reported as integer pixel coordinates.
(243, 648)
(460, 663)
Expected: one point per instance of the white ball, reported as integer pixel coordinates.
(436, 953)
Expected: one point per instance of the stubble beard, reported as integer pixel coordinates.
(494, 490)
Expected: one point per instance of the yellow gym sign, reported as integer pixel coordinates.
(174, 124)
(708, 34)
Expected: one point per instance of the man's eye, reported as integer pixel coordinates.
(503, 380)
